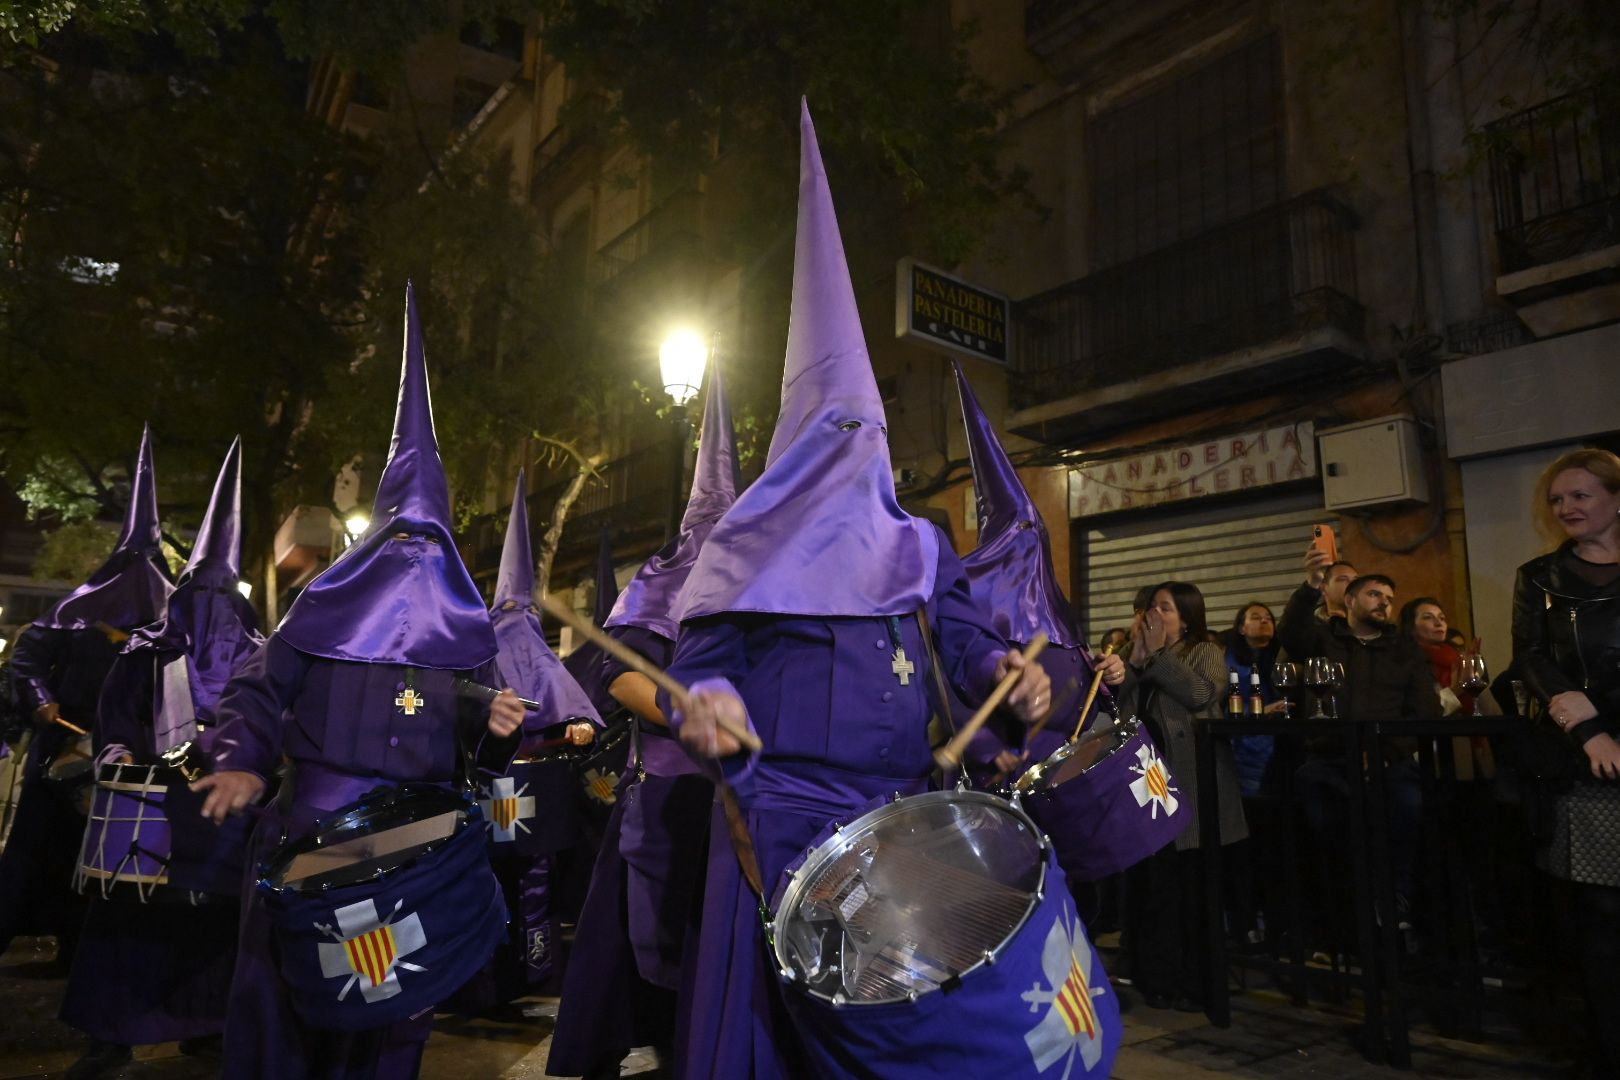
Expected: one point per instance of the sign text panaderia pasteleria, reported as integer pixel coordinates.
(933, 308)
(1250, 459)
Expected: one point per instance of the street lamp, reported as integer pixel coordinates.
(681, 360)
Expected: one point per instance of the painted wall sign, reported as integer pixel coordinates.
(1251, 459)
(933, 308)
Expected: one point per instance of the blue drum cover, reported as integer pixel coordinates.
(371, 954)
(545, 816)
(1044, 1010)
(1114, 815)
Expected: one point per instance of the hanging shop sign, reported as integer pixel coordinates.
(933, 308)
(1242, 462)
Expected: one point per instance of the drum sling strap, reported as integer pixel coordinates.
(942, 694)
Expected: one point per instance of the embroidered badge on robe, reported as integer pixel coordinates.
(507, 809)
(1070, 1026)
(1153, 785)
(602, 785)
(369, 949)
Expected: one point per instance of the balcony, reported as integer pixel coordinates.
(671, 230)
(560, 161)
(1555, 190)
(1243, 308)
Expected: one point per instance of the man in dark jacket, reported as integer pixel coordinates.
(1386, 678)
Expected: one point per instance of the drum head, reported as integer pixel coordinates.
(1074, 758)
(909, 897)
(386, 830)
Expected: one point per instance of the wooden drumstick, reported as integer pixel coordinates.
(75, 728)
(638, 663)
(1096, 683)
(1070, 691)
(949, 756)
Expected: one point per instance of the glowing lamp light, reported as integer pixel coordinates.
(356, 524)
(681, 360)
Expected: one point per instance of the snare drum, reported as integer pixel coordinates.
(73, 770)
(386, 909)
(600, 769)
(1107, 801)
(532, 810)
(935, 935)
(145, 839)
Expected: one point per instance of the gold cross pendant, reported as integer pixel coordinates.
(410, 701)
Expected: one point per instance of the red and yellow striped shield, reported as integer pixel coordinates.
(1158, 781)
(504, 812)
(1074, 1002)
(372, 954)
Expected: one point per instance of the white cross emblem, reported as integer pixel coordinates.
(410, 701)
(602, 785)
(1070, 1026)
(902, 666)
(368, 949)
(506, 808)
(1153, 785)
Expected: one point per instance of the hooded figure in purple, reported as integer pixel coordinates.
(130, 984)
(530, 667)
(59, 663)
(357, 689)
(799, 619)
(1012, 577)
(642, 905)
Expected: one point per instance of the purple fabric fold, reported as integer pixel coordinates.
(821, 532)
(400, 594)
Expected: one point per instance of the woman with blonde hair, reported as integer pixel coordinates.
(1566, 643)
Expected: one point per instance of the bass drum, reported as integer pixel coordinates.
(935, 935)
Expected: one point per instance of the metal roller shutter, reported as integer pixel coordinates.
(1233, 555)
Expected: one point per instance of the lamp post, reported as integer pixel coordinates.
(681, 360)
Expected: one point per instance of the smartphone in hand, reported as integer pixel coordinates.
(1324, 540)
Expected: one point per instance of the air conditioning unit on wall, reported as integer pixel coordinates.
(1376, 462)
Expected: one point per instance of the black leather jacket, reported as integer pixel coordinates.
(1566, 635)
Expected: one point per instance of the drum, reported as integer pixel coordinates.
(600, 769)
(145, 839)
(1107, 801)
(533, 809)
(73, 770)
(386, 909)
(935, 935)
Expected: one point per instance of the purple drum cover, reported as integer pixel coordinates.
(126, 838)
(532, 810)
(1116, 813)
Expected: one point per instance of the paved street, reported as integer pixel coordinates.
(1268, 1039)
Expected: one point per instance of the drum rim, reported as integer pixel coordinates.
(797, 878)
(1125, 729)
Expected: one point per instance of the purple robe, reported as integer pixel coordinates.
(643, 899)
(148, 973)
(839, 729)
(67, 667)
(337, 724)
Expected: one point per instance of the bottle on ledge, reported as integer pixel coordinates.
(1234, 696)
(1257, 706)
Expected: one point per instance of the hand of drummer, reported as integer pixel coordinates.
(1112, 668)
(505, 713)
(229, 793)
(700, 727)
(582, 733)
(1032, 695)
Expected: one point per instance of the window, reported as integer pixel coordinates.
(1189, 156)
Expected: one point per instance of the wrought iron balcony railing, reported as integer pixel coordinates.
(1555, 177)
(676, 224)
(1284, 270)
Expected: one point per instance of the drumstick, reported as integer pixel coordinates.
(1070, 689)
(1096, 682)
(949, 756)
(640, 664)
(75, 728)
(468, 688)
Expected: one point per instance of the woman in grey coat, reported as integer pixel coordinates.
(1179, 679)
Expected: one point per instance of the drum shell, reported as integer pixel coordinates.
(554, 824)
(1097, 823)
(600, 773)
(449, 896)
(994, 1022)
(127, 839)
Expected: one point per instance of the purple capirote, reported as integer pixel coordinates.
(400, 594)
(649, 600)
(129, 589)
(821, 532)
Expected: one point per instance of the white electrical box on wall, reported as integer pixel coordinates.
(1372, 463)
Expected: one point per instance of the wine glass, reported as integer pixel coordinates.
(1285, 677)
(1473, 678)
(1319, 676)
(1335, 681)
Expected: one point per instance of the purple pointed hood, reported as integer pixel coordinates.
(400, 594)
(649, 600)
(130, 588)
(526, 661)
(821, 532)
(585, 662)
(207, 617)
(1011, 569)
